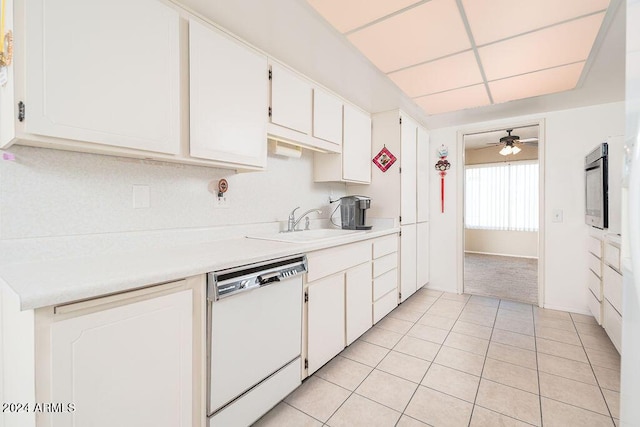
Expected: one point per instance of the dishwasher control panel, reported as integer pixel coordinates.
(224, 283)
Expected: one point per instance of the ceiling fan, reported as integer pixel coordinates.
(510, 143)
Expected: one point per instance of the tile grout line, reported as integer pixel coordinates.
(535, 346)
(594, 374)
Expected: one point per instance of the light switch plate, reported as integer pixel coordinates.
(141, 197)
(557, 215)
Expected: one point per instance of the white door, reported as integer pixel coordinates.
(356, 146)
(408, 261)
(359, 301)
(424, 170)
(290, 100)
(408, 135)
(228, 98)
(422, 253)
(104, 72)
(327, 117)
(127, 366)
(326, 320)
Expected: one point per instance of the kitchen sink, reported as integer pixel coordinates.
(305, 236)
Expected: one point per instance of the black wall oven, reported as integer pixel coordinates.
(596, 187)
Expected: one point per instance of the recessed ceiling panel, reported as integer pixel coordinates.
(492, 20)
(558, 45)
(534, 84)
(347, 15)
(440, 75)
(429, 31)
(459, 99)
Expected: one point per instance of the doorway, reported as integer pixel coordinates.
(501, 213)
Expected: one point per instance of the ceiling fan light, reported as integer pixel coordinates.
(506, 150)
(515, 150)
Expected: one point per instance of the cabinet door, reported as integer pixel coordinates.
(106, 73)
(7, 104)
(290, 100)
(422, 253)
(126, 366)
(327, 117)
(408, 135)
(408, 261)
(356, 146)
(228, 98)
(325, 320)
(422, 175)
(359, 301)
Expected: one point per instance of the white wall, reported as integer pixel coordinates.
(47, 193)
(569, 135)
(501, 242)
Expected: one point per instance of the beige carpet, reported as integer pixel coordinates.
(501, 277)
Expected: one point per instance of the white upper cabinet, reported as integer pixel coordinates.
(104, 72)
(327, 117)
(408, 187)
(422, 175)
(354, 163)
(228, 98)
(356, 147)
(290, 100)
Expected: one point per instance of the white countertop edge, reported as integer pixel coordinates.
(61, 281)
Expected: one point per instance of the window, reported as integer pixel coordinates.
(502, 196)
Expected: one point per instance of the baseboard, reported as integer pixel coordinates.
(436, 288)
(507, 255)
(569, 309)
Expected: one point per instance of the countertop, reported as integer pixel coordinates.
(50, 282)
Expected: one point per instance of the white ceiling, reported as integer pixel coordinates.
(451, 55)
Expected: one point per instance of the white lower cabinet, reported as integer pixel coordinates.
(408, 261)
(358, 302)
(131, 359)
(347, 290)
(325, 320)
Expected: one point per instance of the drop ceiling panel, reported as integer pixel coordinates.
(558, 45)
(492, 20)
(347, 15)
(428, 31)
(440, 75)
(458, 99)
(534, 84)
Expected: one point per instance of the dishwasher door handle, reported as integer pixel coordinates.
(268, 278)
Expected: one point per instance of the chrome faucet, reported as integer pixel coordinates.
(293, 222)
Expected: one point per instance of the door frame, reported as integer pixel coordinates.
(460, 160)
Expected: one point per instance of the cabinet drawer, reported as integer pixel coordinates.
(612, 322)
(595, 265)
(595, 307)
(385, 283)
(595, 285)
(384, 264)
(594, 245)
(612, 256)
(384, 305)
(612, 281)
(329, 261)
(385, 246)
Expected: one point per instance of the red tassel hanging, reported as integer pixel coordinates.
(442, 167)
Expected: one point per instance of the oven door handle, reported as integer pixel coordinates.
(268, 278)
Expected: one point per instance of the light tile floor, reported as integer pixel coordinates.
(443, 359)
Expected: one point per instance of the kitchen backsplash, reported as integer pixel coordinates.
(50, 193)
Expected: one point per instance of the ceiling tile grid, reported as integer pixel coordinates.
(451, 55)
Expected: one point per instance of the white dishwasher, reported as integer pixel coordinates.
(254, 338)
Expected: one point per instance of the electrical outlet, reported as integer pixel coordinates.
(221, 202)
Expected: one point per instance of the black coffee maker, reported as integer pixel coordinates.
(353, 212)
